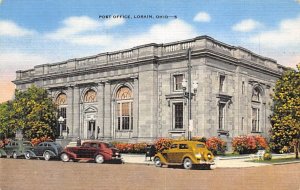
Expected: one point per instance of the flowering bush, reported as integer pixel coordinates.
(130, 147)
(248, 144)
(4, 142)
(163, 143)
(216, 145)
(36, 141)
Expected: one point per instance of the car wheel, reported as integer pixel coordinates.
(64, 157)
(99, 159)
(27, 155)
(47, 156)
(157, 162)
(0, 154)
(187, 163)
(14, 155)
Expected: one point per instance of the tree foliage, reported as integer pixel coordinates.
(32, 112)
(285, 131)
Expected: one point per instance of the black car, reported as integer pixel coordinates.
(46, 150)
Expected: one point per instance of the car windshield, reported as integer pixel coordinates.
(109, 145)
(200, 146)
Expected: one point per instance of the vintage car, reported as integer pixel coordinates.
(186, 153)
(91, 150)
(46, 150)
(15, 149)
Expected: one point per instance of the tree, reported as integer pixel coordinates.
(6, 124)
(32, 112)
(285, 131)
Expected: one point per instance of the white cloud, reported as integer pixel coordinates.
(159, 33)
(287, 34)
(202, 17)
(84, 30)
(9, 28)
(112, 22)
(246, 25)
(10, 62)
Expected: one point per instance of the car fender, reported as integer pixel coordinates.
(51, 152)
(32, 154)
(3, 152)
(69, 153)
(194, 160)
(162, 159)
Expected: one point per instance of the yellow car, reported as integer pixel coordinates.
(186, 153)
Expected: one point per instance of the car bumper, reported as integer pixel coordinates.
(206, 162)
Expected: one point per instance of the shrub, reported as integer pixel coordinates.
(248, 144)
(201, 139)
(216, 145)
(36, 141)
(162, 144)
(267, 155)
(130, 147)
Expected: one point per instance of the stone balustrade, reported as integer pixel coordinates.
(160, 50)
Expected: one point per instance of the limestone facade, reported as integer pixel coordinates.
(136, 94)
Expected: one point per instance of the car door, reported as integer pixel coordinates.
(92, 150)
(83, 151)
(39, 151)
(9, 148)
(183, 149)
(172, 153)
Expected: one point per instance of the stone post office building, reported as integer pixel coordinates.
(136, 94)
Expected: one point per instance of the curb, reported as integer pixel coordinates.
(283, 163)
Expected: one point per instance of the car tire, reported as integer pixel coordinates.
(99, 159)
(14, 155)
(47, 156)
(0, 155)
(64, 157)
(187, 163)
(27, 155)
(157, 162)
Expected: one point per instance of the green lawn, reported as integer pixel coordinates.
(276, 160)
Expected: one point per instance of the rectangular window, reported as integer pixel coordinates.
(242, 128)
(221, 83)
(222, 115)
(255, 120)
(63, 112)
(178, 82)
(243, 87)
(124, 115)
(178, 113)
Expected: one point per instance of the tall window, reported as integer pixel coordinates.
(124, 109)
(63, 112)
(178, 82)
(243, 87)
(255, 120)
(178, 115)
(61, 102)
(222, 115)
(221, 83)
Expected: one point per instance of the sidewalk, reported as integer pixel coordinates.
(221, 162)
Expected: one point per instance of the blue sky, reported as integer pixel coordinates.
(44, 31)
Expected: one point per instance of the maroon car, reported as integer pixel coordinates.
(91, 150)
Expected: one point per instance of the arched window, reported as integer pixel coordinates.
(124, 108)
(90, 96)
(256, 109)
(256, 94)
(61, 99)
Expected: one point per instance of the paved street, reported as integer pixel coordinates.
(40, 174)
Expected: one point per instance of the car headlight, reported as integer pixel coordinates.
(198, 156)
(117, 153)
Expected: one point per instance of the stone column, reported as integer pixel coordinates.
(76, 112)
(70, 110)
(100, 115)
(135, 108)
(107, 111)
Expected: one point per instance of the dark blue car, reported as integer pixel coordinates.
(46, 150)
